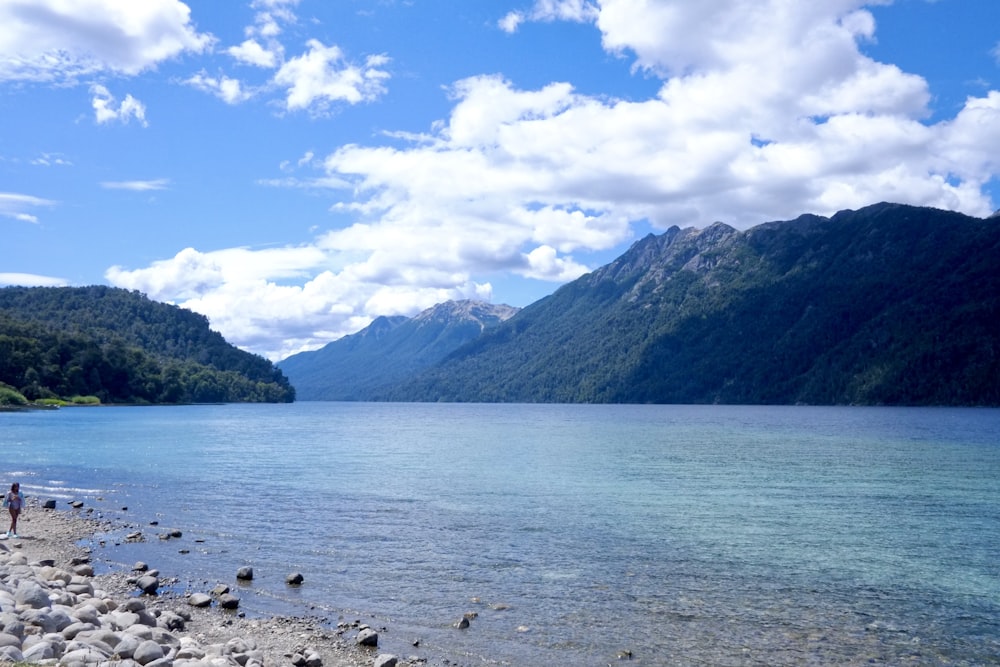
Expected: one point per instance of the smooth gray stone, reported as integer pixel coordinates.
(147, 652)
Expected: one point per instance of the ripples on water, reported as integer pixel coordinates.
(687, 535)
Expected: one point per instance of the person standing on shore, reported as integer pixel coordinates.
(14, 502)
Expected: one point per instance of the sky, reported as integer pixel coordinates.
(293, 169)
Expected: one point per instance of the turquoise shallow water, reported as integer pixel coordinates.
(689, 535)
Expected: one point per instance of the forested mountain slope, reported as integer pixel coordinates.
(889, 304)
(120, 346)
(389, 349)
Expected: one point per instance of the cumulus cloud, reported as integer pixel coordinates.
(313, 81)
(322, 75)
(107, 109)
(16, 206)
(52, 40)
(251, 52)
(767, 109)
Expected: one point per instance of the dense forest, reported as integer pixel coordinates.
(890, 304)
(89, 344)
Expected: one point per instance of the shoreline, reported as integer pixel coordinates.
(68, 541)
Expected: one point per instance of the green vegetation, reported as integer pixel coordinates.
(890, 304)
(97, 344)
(10, 397)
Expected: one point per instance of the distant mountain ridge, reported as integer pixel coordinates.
(890, 304)
(388, 350)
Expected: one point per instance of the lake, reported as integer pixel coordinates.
(688, 535)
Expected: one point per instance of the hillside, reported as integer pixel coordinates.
(121, 347)
(889, 304)
(388, 350)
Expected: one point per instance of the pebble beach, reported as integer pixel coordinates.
(54, 610)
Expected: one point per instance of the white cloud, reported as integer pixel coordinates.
(137, 186)
(54, 40)
(321, 76)
(31, 280)
(229, 90)
(579, 11)
(16, 206)
(51, 160)
(107, 109)
(251, 52)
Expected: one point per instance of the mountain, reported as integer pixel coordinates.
(889, 304)
(119, 346)
(390, 349)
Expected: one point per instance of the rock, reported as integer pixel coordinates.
(170, 621)
(228, 601)
(148, 584)
(49, 504)
(385, 660)
(462, 624)
(9, 654)
(199, 600)
(221, 589)
(73, 629)
(294, 579)
(43, 650)
(147, 652)
(76, 504)
(85, 570)
(30, 594)
(367, 637)
(245, 573)
(88, 614)
(120, 620)
(126, 647)
(140, 566)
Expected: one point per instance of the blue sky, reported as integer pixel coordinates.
(294, 168)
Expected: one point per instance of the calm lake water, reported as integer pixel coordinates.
(688, 535)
